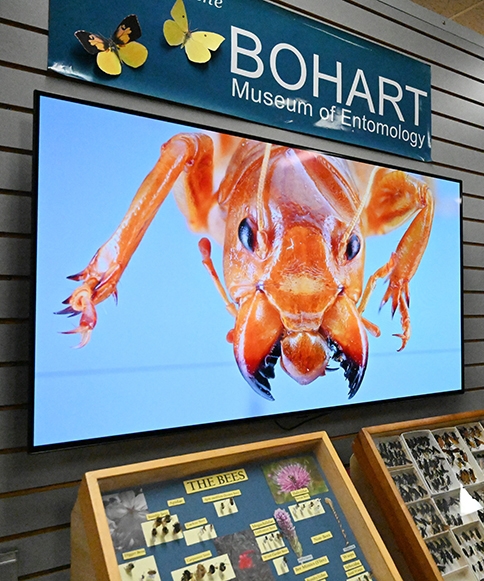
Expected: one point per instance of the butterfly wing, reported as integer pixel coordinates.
(199, 45)
(176, 30)
(133, 54)
(174, 35)
(128, 31)
(93, 43)
(107, 58)
(108, 61)
(210, 40)
(179, 15)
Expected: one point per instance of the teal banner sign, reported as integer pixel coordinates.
(249, 59)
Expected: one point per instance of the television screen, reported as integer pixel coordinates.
(296, 281)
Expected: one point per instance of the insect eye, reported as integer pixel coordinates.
(246, 235)
(353, 247)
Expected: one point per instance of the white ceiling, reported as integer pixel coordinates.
(468, 13)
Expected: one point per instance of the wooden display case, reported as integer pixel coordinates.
(442, 508)
(219, 508)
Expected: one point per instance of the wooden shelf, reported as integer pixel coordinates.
(391, 514)
(94, 557)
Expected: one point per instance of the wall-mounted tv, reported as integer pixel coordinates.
(162, 300)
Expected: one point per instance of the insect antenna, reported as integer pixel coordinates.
(357, 216)
(262, 211)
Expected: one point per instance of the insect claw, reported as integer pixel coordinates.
(67, 311)
(354, 373)
(77, 277)
(403, 338)
(85, 335)
(261, 386)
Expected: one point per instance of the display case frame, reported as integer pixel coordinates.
(93, 553)
(390, 512)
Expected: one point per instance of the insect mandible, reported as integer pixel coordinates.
(293, 225)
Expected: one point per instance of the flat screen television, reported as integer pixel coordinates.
(157, 348)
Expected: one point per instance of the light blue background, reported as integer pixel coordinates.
(159, 359)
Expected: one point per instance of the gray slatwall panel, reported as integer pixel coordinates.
(454, 106)
(40, 552)
(17, 87)
(15, 171)
(471, 183)
(474, 379)
(14, 342)
(429, 23)
(30, 512)
(473, 255)
(455, 83)
(473, 231)
(457, 132)
(457, 156)
(473, 353)
(13, 430)
(14, 299)
(13, 385)
(474, 329)
(26, 12)
(474, 305)
(14, 256)
(472, 207)
(15, 129)
(474, 279)
(15, 214)
(23, 47)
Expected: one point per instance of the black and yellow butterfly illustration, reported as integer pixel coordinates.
(197, 44)
(120, 48)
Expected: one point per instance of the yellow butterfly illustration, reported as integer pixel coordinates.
(197, 44)
(121, 47)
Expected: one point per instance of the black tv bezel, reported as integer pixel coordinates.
(310, 413)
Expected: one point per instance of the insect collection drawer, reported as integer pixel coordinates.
(426, 478)
(282, 508)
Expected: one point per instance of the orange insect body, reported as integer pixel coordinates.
(293, 225)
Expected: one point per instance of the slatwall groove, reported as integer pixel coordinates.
(38, 490)
(28, 27)
(450, 93)
(26, 12)
(456, 119)
(34, 532)
(473, 148)
(23, 68)
(7, 107)
(437, 38)
(9, 149)
(49, 481)
(54, 574)
(40, 552)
